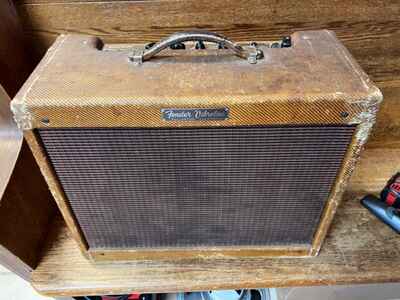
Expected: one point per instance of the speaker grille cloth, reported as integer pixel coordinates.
(178, 187)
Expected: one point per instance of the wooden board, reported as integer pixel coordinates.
(376, 166)
(15, 64)
(26, 207)
(358, 22)
(26, 210)
(359, 249)
(25, 204)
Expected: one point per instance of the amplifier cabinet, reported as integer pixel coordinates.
(172, 150)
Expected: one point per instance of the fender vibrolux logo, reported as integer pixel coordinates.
(190, 114)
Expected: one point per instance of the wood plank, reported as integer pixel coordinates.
(15, 64)
(26, 211)
(129, 21)
(359, 249)
(386, 132)
(375, 167)
(25, 206)
(10, 145)
(67, 1)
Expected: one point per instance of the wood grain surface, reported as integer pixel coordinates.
(26, 210)
(375, 167)
(15, 63)
(26, 207)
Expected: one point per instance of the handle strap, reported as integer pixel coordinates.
(252, 55)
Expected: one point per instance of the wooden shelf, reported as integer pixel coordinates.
(359, 249)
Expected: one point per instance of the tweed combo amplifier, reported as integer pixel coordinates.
(197, 145)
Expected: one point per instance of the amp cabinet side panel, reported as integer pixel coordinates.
(366, 121)
(56, 189)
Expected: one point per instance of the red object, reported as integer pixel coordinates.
(390, 199)
(394, 192)
(391, 193)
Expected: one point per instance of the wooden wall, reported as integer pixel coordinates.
(15, 62)
(26, 205)
(369, 28)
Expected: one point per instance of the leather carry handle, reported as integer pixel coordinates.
(251, 55)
